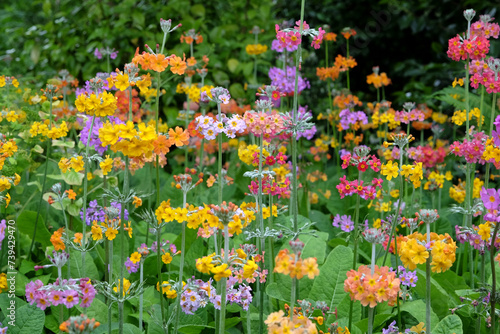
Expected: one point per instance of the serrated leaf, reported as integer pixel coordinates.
(29, 320)
(450, 324)
(329, 285)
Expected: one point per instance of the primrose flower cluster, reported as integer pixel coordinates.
(197, 293)
(210, 127)
(66, 292)
(371, 289)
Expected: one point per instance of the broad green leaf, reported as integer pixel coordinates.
(450, 324)
(62, 143)
(29, 320)
(440, 300)
(97, 310)
(73, 178)
(232, 64)
(76, 266)
(329, 285)
(417, 309)
(26, 225)
(314, 246)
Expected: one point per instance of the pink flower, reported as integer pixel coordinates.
(490, 198)
(55, 297)
(70, 298)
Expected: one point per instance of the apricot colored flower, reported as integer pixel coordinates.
(178, 66)
(178, 137)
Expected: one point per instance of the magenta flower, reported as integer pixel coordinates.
(55, 297)
(490, 198)
(70, 298)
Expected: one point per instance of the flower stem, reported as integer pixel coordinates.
(428, 284)
(372, 309)
(262, 240)
(141, 297)
(493, 294)
(222, 319)
(110, 281)
(85, 192)
(44, 178)
(181, 267)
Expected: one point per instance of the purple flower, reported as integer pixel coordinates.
(286, 81)
(392, 329)
(97, 53)
(131, 266)
(490, 198)
(3, 226)
(344, 222)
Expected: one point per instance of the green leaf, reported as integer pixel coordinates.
(29, 320)
(379, 319)
(273, 291)
(97, 310)
(450, 324)
(315, 246)
(440, 300)
(62, 143)
(26, 225)
(76, 266)
(417, 309)
(329, 285)
(232, 64)
(73, 178)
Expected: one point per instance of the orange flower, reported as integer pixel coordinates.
(56, 240)
(191, 62)
(330, 36)
(178, 66)
(162, 145)
(71, 194)
(159, 63)
(178, 137)
(348, 32)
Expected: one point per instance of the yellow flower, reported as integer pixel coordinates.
(390, 170)
(137, 202)
(106, 165)
(122, 82)
(221, 271)
(204, 265)
(96, 233)
(3, 281)
(484, 231)
(249, 268)
(166, 258)
(111, 233)
(77, 163)
(126, 286)
(135, 257)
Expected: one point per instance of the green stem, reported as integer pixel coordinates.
(493, 279)
(141, 297)
(428, 284)
(85, 193)
(110, 282)
(160, 280)
(47, 157)
(222, 319)
(481, 105)
(347, 72)
(372, 309)
(355, 237)
(220, 181)
(123, 245)
(181, 267)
